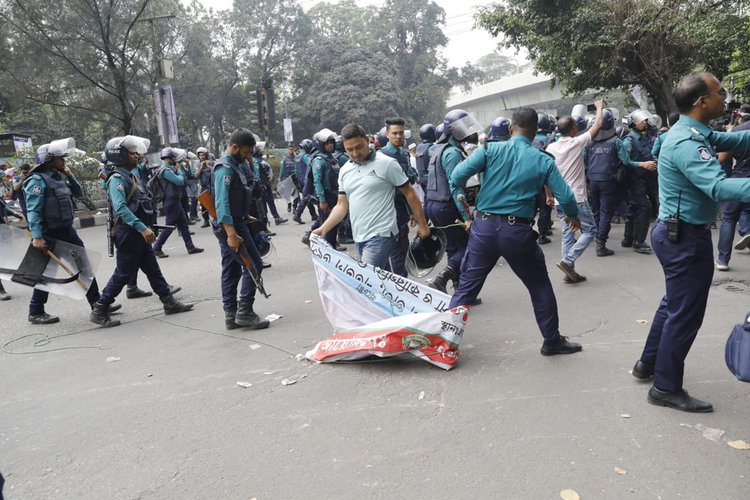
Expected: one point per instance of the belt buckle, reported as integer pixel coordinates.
(511, 220)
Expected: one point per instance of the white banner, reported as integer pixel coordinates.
(168, 100)
(288, 134)
(375, 312)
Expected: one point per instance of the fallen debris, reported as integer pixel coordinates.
(642, 321)
(244, 385)
(287, 381)
(625, 415)
(421, 396)
(708, 432)
(273, 317)
(569, 495)
(739, 444)
(112, 359)
(621, 471)
(255, 346)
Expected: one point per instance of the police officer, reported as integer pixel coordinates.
(18, 193)
(514, 173)
(305, 178)
(233, 195)
(131, 202)
(442, 206)
(173, 181)
(265, 174)
(392, 145)
(427, 136)
(543, 138)
(325, 180)
(287, 169)
(691, 186)
(635, 155)
(204, 178)
(602, 165)
(499, 129)
(49, 189)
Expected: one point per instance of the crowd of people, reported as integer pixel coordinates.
(479, 193)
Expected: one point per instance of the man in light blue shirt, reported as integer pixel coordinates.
(367, 184)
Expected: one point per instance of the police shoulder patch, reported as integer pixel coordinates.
(120, 186)
(227, 180)
(37, 190)
(704, 153)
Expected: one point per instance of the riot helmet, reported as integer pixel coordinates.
(307, 146)
(460, 124)
(425, 254)
(500, 129)
(322, 137)
(117, 148)
(544, 123)
(427, 132)
(638, 116)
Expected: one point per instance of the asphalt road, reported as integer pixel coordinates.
(168, 419)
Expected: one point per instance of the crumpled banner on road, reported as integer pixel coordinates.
(375, 312)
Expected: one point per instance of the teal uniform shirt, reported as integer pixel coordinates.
(222, 180)
(177, 178)
(141, 170)
(450, 159)
(117, 189)
(34, 189)
(627, 152)
(394, 152)
(656, 148)
(321, 169)
(513, 174)
(688, 170)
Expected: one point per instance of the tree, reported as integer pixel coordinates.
(610, 44)
(495, 66)
(82, 56)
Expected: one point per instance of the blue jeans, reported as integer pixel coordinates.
(376, 251)
(733, 212)
(572, 249)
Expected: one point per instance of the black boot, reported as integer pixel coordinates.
(247, 318)
(440, 282)
(627, 240)
(174, 306)
(100, 315)
(137, 293)
(602, 250)
(229, 315)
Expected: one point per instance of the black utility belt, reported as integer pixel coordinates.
(510, 219)
(687, 224)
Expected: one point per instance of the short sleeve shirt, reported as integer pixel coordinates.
(568, 153)
(370, 189)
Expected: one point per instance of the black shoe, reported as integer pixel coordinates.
(205, 224)
(543, 240)
(297, 219)
(476, 301)
(137, 293)
(161, 254)
(440, 282)
(643, 371)
(626, 243)
(247, 318)
(4, 295)
(43, 319)
(229, 315)
(191, 222)
(314, 217)
(100, 315)
(174, 289)
(279, 221)
(562, 346)
(173, 306)
(678, 400)
(577, 278)
(339, 248)
(266, 265)
(345, 241)
(114, 308)
(194, 250)
(306, 238)
(602, 250)
(641, 248)
(288, 208)
(742, 243)
(271, 233)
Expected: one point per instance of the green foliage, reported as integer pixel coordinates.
(608, 44)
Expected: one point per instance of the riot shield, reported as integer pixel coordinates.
(67, 270)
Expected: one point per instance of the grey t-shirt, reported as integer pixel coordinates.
(370, 190)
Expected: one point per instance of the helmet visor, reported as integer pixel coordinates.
(135, 144)
(464, 127)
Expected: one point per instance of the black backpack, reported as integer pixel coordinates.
(156, 187)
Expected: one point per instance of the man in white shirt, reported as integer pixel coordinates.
(366, 191)
(568, 153)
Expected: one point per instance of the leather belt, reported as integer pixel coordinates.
(687, 224)
(509, 219)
